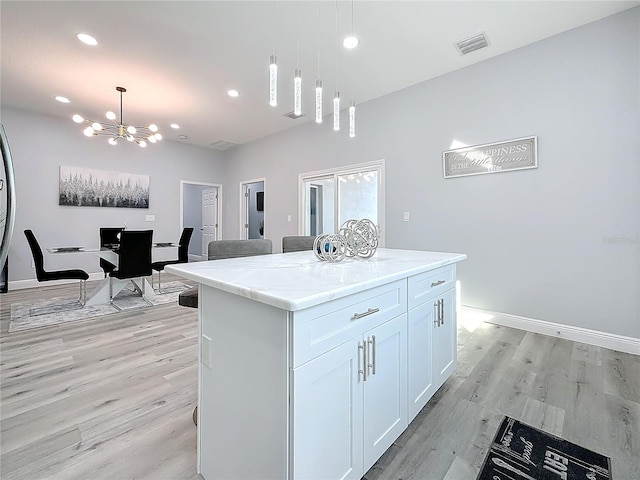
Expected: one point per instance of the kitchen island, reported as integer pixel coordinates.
(310, 369)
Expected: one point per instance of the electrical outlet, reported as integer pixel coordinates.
(151, 218)
(405, 217)
(289, 218)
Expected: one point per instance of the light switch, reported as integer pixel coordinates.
(405, 216)
(289, 218)
(206, 351)
(151, 218)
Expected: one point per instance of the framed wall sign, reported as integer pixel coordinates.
(517, 154)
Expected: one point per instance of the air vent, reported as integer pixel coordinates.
(222, 145)
(293, 115)
(473, 43)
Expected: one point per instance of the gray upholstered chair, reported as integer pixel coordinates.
(297, 243)
(218, 250)
(221, 249)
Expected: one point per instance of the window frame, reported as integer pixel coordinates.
(377, 165)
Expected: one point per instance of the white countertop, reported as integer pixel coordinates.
(298, 280)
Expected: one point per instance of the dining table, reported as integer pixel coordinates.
(100, 294)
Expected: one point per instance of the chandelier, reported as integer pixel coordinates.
(116, 130)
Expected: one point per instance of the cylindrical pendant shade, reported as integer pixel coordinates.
(297, 93)
(318, 101)
(336, 111)
(273, 81)
(352, 119)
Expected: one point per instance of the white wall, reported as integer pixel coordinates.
(559, 243)
(39, 145)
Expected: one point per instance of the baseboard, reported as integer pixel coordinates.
(32, 282)
(576, 334)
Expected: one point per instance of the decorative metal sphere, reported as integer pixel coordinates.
(355, 238)
(330, 247)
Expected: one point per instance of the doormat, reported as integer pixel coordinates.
(521, 452)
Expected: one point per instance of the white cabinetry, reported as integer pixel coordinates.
(350, 402)
(311, 370)
(431, 334)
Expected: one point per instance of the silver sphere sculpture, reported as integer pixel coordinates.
(330, 247)
(355, 238)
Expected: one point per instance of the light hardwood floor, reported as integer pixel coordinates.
(111, 398)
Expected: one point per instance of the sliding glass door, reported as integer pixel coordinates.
(331, 197)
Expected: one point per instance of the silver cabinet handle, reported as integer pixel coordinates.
(436, 313)
(373, 354)
(439, 282)
(361, 354)
(357, 316)
(442, 311)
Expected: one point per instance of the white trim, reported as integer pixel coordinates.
(611, 341)
(243, 183)
(219, 203)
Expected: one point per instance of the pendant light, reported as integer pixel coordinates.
(297, 76)
(297, 93)
(351, 42)
(116, 129)
(273, 81)
(336, 94)
(352, 119)
(336, 111)
(273, 67)
(318, 81)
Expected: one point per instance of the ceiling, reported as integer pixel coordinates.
(178, 59)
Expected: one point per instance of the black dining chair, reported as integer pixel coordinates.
(44, 276)
(183, 256)
(134, 261)
(109, 236)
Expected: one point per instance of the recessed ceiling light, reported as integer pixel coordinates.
(233, 93)
(183, 137)
(350, 42)
(62, 99)
(86, 38)
(174, 125)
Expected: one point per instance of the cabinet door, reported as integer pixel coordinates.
(385, 387)
(421, 323)
(327, 419)
(444, 340)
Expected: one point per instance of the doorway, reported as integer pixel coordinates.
(201, 209)
(252, 224)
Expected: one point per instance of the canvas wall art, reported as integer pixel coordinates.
(86, 187)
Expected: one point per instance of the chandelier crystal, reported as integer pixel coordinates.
(116, 130)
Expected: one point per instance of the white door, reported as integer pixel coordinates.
(327, 427)
(209, 219)
(445, 339)
(385, 389)
(420, 377)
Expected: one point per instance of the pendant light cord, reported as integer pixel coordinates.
(318, 34)
(337, 47)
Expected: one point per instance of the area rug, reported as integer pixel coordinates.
(522, 452)
(126, 300)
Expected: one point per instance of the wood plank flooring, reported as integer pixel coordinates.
(112, 397)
